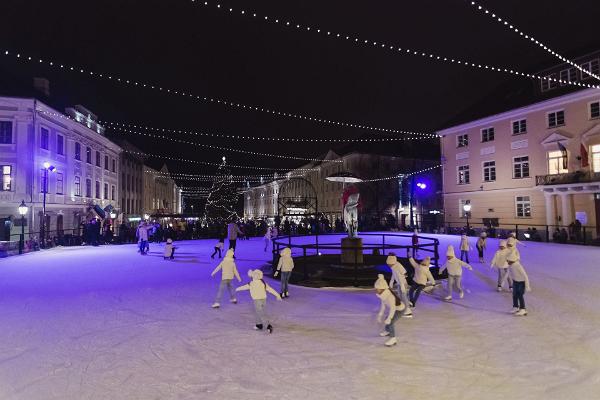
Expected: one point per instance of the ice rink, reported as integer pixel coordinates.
(108, 323)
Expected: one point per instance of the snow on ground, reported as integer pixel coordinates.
(107, 323)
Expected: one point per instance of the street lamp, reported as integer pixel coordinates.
(467, 209)
(51, 168)
(22, 211)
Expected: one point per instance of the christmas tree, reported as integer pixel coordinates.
(222, 198)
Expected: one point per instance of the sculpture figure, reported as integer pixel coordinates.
(351, 215)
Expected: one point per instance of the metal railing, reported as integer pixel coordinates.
(571, 177)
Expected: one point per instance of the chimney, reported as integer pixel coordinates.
(42, 85)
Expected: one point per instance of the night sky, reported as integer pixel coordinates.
(211, 52)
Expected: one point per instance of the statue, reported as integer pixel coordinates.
(351, 215)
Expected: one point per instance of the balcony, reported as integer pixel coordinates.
(565, 179)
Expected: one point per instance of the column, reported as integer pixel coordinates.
(550, 211)
(567, 209)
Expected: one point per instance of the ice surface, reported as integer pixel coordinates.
(108, 323)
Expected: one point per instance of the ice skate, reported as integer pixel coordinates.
(499, 288)
(270, 328)
(287, 294)
(258, 327)
(391, 342)
(216, 305)
(448, 298)
(514, 310)
(407, 315)
(384, 333)
(461, 295)
(234, 301)
(522, 312)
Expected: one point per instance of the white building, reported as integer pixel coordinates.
(162, 196)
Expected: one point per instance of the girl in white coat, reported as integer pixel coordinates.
(258, 291)
(520, 283)
(421, 278)
(454, 267)
(464, 248)
(499, 262)
(229, 270)
(399, 277)
(395, 306)
(285, 265)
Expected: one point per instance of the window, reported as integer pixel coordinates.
(98, 159)
(523, 206)
(114, 165)
(461, 211)
(548, 82)
(59, 183)
(5, 132)
(88, 188)
(519, 127)
(487, 134)
(106, 163)
(568, 75)
(462, 140)
(77, 186)
(489, 171)
(463, 175)
(106, 191)
(88, 155)
(556, 118)
(596, 157)
(44, 138)
(521, 167)
(113, 192)
(595, 110)
(6, 178)
(60, 144)
(98, 190)
(590, 66)
(78, 151)
(557, 163)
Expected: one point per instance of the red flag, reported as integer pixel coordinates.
(585, 162)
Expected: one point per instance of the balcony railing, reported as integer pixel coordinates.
(571, 177)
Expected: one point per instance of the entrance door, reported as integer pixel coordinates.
(597, 206)
(5, 229)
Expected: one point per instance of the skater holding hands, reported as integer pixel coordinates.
(285, 265)
(229, 271)
(395, 306)
(499, 262)
(258, 291)
(399, 277)
(421, 278)
(169, 250)
(454, 267)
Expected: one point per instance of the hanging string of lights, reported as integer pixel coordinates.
(510, 26)
(207, 176)
(398, 176)
(207, 99)
(398, 50)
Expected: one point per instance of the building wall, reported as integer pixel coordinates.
(132, 184)
(161, 194)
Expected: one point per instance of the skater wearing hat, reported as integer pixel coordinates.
(258, 291)
(390, 300)
(169, 250)
(511, 245)
(229, 270)
(285, 265)
(481, 245)
(415, 243)
(421, 278)
(520, 283)
(399, 277)
(499, 262)
(454, 267)
(464, 248)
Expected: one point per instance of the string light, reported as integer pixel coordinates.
(508, 25)
(168, 174)
(402, 51)
(212, 100)
(397, 176)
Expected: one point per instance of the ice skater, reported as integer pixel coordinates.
(285, 265)
(454, 267)
(421, 278)
(268, 237)
(142, 235)
(218, 247)
(169, 253)
(511, 245)
(499, 262)
(258, 291)
(399, 277)
(415, 243)
(464, 248)
(520, 283)
(229, 271)
(481, 245)
(389, 300)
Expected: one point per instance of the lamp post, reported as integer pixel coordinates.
(467, 209)
(51, 168)
(22, 211)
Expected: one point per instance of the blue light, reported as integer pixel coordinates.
(421, 185)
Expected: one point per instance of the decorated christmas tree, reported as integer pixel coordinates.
(222, 198)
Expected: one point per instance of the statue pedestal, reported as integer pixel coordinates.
(352, 250)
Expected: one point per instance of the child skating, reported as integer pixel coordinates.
(169, 253)
(511, 245)
(285, 265)
(520, 283)
(421, 278)
(399, 277)
(499, 262)
(454, 267)
(258, 291)
(229, 270)
(218, 247)
(391, 301)
(464, 248)
(481, 245)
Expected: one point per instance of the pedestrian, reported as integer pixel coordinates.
(285, 265)
(233, 230)
(421, 278)
(520, 283)
(399, 277)
(481, 244)
(268, 238)
(258, 291)
(464, 248)
(218, 247)
(415, 243)
(169, 250)
(389, 300)
(228, 272)
(499, 262)
(454, 267)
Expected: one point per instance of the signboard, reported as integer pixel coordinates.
(581, 216)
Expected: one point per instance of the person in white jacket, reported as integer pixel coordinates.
(499, 262)
(464, 248)
(454, 267)
(285, 265)
(481, 245)
(421, 278)
(399, 277)
(258, 291)
(511, 245)
(229, 271)
(520, 283)
(395, 306)
(169, 252)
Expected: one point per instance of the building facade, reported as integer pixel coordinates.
(131, 182)
(162, 196)
(43, 150)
